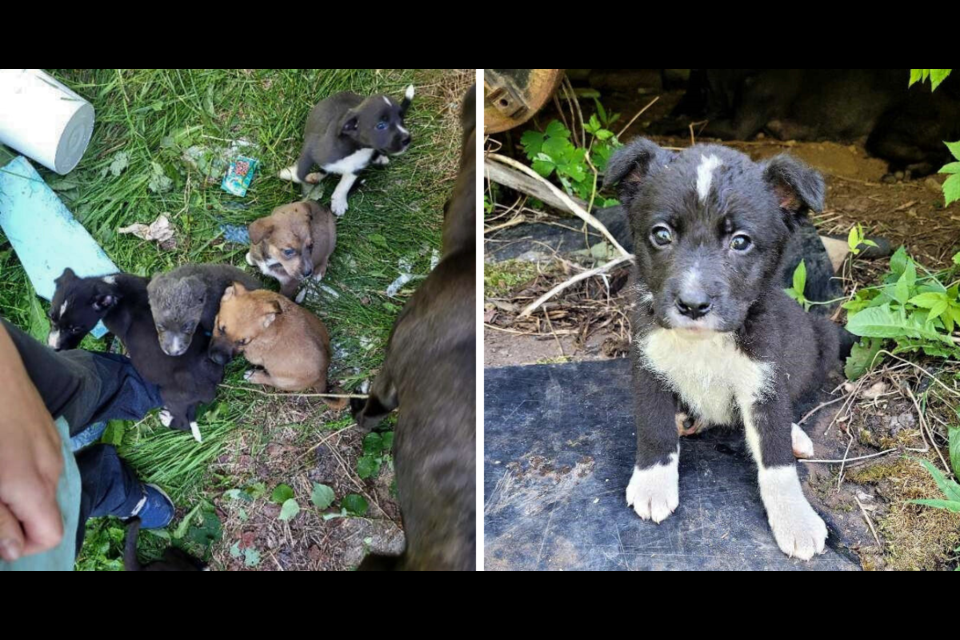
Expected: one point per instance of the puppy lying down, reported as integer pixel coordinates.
(290, 344)
(186, 300)
(121, 302)
(716, 336)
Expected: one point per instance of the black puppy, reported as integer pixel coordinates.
(173, 559)
(121, 302)
(346, 133)
(430, 371)
(715, 333)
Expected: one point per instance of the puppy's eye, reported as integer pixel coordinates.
(741, 242)
(309, 248)
(381, 126)
(661, 236)
(222, 330)
(187, 328)
(289, 252)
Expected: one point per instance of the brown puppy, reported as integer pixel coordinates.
(290, 343)
(293, 243)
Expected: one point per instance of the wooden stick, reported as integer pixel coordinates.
(575, 279)
(572, 206)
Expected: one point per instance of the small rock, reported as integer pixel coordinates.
(889, 179)
(908, 175)
(898, 175)
(875, 391)
(761, 136)
(933, 185)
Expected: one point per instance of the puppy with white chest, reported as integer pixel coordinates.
(716, 336)
(345, 134)
(290, 344)
(293, 243)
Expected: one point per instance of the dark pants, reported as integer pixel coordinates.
(84, 388)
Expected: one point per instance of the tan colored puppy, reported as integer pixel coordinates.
(290, 343)
(293, 243)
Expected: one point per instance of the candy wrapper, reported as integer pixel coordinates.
(240, 175)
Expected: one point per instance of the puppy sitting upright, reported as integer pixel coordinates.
(290, 343)
(714, 329)
(187, 299)
(345, 134)
(293, 243)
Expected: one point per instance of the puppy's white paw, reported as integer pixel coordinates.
(249, 374)
(799, 531)
(166, 418)
(408, 94)
(802, 444)
(301, 296)
(195, 430)
(339, 205)
(289, 174)
(315, 177)
(382, 161)
(250, 260)
(654, 493)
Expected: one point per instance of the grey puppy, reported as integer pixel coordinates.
(187, 300)
(345, 134)
(430, 372)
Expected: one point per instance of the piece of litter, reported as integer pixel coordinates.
(434, 260)
(160, 231)
(406, 275)
(875, 391)
(235, 233)
(240, 175)
(327, 289)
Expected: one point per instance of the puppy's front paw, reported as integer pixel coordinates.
(654, 493)
(799, 531)
(802, 444)
(315, 178)
(338, 205)
(382, 161)
(166, 418)
(250, 260)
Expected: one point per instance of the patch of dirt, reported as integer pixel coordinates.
(528, 484)
(283, 455)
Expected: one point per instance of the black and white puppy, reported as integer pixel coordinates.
(715, 333)
(122, 303)
(345, 134)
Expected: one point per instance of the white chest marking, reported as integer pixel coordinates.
(353, 163)
(711, 375)
(705, 175)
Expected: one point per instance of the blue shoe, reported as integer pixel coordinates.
(155, 509)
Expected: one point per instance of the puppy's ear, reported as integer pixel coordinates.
(239, 289)
(350, 124)
(260, 230)
(104, 301)
(797, 187)
(67, 276)
(229, 293)
(312, 209)
(631, 165)
(273, 309)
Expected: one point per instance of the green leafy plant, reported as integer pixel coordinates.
(951, 188)
(947, 486)
(377, 449)
(919, 313)
(799, 286)
(857, 239)
(553, 153)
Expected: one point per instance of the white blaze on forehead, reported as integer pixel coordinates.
(705, 175)
(63, 308)
(110, 280)
(387, 100)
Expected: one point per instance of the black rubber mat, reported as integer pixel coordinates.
(559, 450)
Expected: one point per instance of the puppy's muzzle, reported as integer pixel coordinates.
(694, 305)
(219, 353)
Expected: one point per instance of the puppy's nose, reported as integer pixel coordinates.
(694, 305)
(219, 358)
(306, 270)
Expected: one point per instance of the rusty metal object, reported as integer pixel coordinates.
(513, 96)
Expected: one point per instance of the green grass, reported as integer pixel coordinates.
(152, 117)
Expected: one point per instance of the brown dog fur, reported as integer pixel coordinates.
(307, 229)
(290, 343)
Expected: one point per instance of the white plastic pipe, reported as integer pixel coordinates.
(43, 119)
